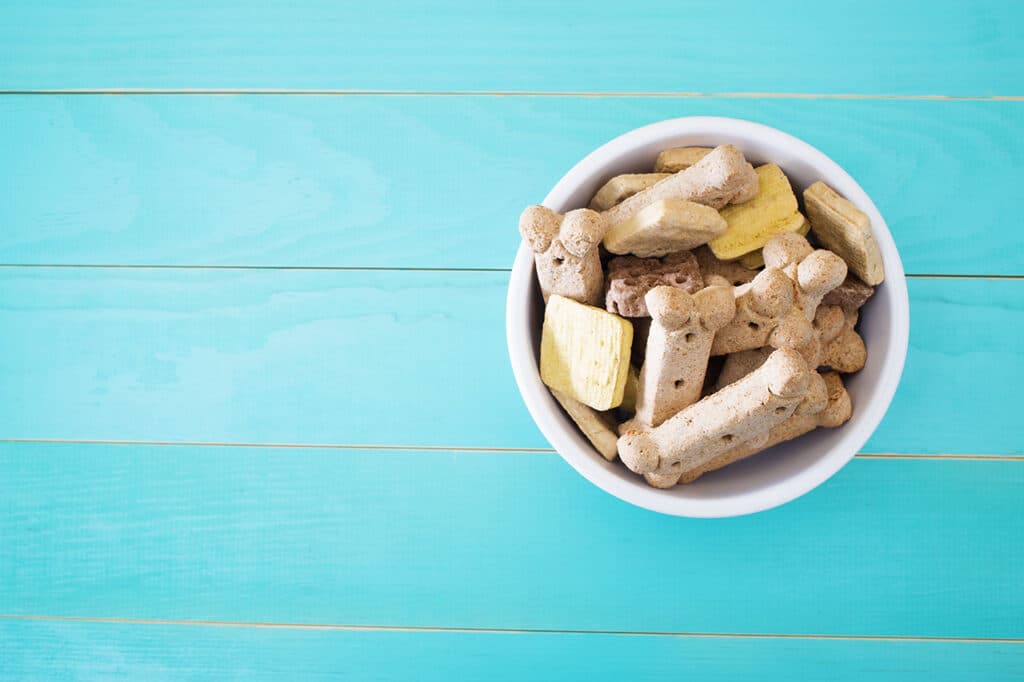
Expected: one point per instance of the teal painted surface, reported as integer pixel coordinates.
(395, 358)
(508, 540)
(874, 47)
(440, 181)
(91, 651)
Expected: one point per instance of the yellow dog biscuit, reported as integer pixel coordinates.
(843, 228)
(584, 352)
(598, 427)
(752, 224)
(679, 158)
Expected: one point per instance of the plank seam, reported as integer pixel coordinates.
(343, 92)
(510, 631)
(434, 448)
(363, 268)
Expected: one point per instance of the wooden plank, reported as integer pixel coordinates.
(880, 47)
(48, 650)
(498, 540)
(440, 181)
(396, 358)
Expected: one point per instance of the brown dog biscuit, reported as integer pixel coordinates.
(815, 272)
(765, 316)
(846, 353)
(699, 433)
(682, 328)
(565, 251)
(720, 177)
(827, 404)
(598, 427)
(852, 294)
(630, 278)
(664, 227)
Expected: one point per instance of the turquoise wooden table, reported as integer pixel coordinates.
(258, 420)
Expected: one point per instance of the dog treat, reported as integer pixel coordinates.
(720, 177)
(599, 428)
(827, 404)
(755, 259)
(753, 223)
(664, 227)
(851, 294)
(584, 352)
(565, 250)
(682, 328)
(828, 322)
(630, 278)
(622, 186)
(815, 272)
(846, 353)
(843, 228)
(628, 406)
(733, 271)
(765, 316)
(699, 433)
(679, 158)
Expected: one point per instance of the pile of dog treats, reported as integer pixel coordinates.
(689, 322)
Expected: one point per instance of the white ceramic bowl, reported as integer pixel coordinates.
(787, 470)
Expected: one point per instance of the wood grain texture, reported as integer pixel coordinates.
(506, 540)
(440, 181)
(876, 47)
(394, 358)
(104, 651)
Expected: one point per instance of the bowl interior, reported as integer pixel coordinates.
(787, 470)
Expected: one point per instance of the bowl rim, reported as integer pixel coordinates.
(580, 454)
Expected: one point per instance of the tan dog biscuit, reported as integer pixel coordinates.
(846, 353)
(815, 272)
(827, 404)
(734, 271)
(664, 227)
(680, 158)
(699, 433)
(852, 294)
(565, 251)
(623, 186)
(598, 427)
(765, 316)
(630, 278)
(843, 228)
(720, 177)
(682, 328)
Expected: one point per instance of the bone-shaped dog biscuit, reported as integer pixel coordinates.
(664, 227)
(596, 426)
(845, 229)
(699, 433)
(623, 186)
(815, 272)
(584, 352)
(765, 316)
(678, 347)
(719, 178)
(753, 223)
(679, 158)
(565, 251)
(630, 278)
(827, 404)
(847, 352)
